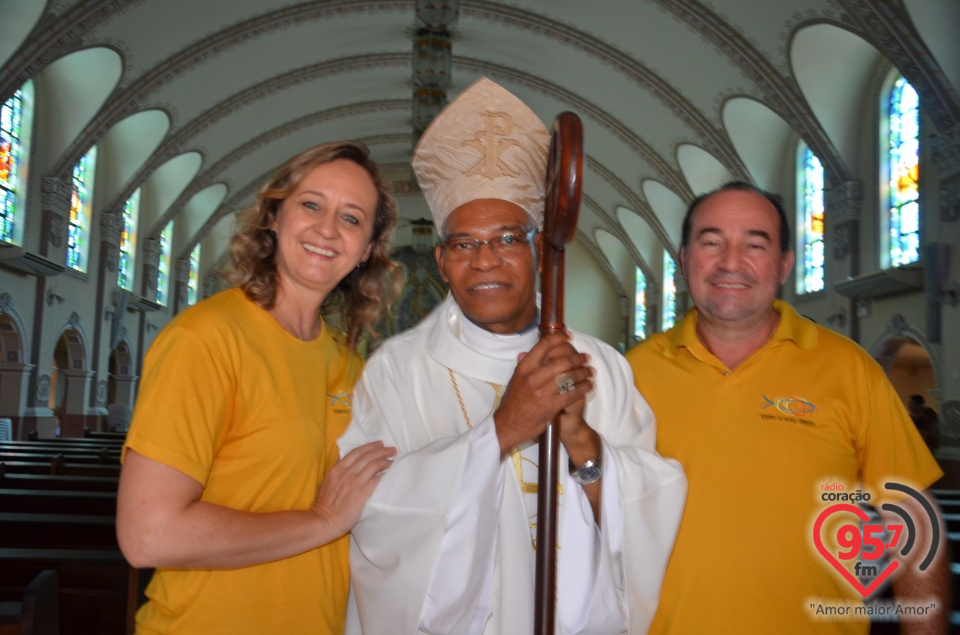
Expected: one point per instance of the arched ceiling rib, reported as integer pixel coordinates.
(773, 84)
(71, 91)
(244, 151)
(701, 169)
(676, 96)
(936, 21)
(642, 239)
(165, 184)
(217, 46)
(669, 208)
(629, 67)
(746, 120)
(834, 67)
(126, 147)
(889, 29)
(18, 20)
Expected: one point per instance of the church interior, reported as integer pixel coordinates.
(133, 131)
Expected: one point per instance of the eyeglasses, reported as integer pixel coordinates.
(504, 246)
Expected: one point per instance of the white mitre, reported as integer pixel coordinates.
(485, 144)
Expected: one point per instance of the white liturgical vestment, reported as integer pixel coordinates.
(446, 544)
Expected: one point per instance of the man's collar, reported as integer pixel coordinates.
(683, 334)
(794, 327)
(791, 327)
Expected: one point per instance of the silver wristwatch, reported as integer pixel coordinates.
(589, 472)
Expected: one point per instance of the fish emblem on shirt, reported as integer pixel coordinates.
(341, 402)
(793, 406)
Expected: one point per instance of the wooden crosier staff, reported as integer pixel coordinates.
(564, 180)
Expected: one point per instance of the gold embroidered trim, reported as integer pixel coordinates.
(515, 456)
(498, 391)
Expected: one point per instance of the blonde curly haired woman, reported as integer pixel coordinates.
(231, 487)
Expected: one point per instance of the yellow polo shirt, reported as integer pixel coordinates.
(758, 445)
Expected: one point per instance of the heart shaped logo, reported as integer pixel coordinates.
(829, 557)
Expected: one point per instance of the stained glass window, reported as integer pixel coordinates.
(163, 269)
(640, 307)
(811, 265)
(78, 237)
(128, 242)
(904, 175)
(193, 282)
(669, 291)
(12, 153)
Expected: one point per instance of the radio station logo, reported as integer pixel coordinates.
(866, 542)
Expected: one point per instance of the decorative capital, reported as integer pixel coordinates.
(183, 278)
(183, 270)
(150, 280)
(113, 257)
(55, 195)
(151, 249)
(653, 292)
(945, 149)
(6, 303)
(55, 205)
(843, 201)
(950, 416)
(209, 284)
(111, 226)
(842, 238)
(43, 388)
(898, 325)
(950, 201)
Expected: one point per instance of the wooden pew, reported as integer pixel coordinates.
(37, 612)
(113, 439)
(95, 434)
(945, 494)
(951, 520)
(78, 445)
(58, 482)
(99, 590)
(63, 531)
(88, 458)
(949, 502)
(104, 452)
(26, 501)
(60, 468)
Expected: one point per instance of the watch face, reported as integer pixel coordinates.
(588, 473)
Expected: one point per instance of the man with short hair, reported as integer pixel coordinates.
(771, 415)
(446, 543)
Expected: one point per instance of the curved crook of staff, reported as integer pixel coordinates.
(562, 205)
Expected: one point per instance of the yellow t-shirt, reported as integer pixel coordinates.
(231, 399)
(758, 444)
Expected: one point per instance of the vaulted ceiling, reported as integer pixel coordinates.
(197, 102)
